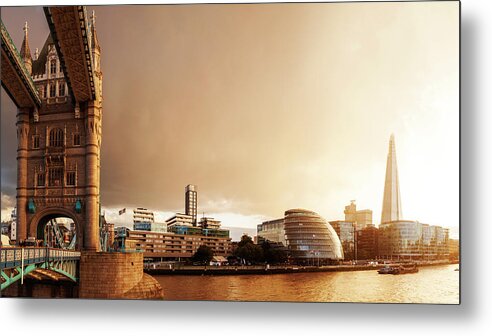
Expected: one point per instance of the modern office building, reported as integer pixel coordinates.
(191, 202)
(309, 237)
(404, 239)
(454, 249)
(209, 223)
(413, 240)
(179, 219)
(144, 220)
(361, 218)
(271, 231)
(391, 200)
(346, 233)
(172, 246)
(367, 243)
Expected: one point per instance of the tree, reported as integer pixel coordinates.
(248, 251)
(245, 240)
(203, 255)
(273, 255)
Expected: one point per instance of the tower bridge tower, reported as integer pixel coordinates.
(59, 141)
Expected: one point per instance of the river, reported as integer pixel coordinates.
(436, 284)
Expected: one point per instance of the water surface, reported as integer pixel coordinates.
(436, 284)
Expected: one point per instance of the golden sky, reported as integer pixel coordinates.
(270, 107)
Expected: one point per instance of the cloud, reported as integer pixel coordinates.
(267, 108)
(8, 203)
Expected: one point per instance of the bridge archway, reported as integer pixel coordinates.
(39, 223)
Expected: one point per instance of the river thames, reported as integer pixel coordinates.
(436, 284)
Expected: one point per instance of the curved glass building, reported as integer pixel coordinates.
(309, 237)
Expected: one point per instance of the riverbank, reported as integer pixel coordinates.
(264, 269)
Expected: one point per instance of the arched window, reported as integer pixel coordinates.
(56, 137)
(61, 89)
(53, 67)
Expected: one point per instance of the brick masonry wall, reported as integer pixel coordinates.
(115, 276)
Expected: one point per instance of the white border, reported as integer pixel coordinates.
(83, 317)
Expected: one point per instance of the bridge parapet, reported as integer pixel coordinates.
(17, 262)
(11, 257)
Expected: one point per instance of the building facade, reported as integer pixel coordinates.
(309, 238)
(143, 219)
(209, 223)
(191, 202)
(173, 246)
(179, 219)
(367, 243)
(391, 200)
(413, 240)
(271, 231)
(346, 233)
(361, 218)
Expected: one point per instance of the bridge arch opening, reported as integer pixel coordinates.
(57, 230)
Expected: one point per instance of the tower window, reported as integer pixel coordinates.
(76, 139)
(70, 178)
(52, 90)
(53, 66)
(45, 91)
(61, 89)
(56, 137)
(40, 180)
(55, 177)
(35, 142)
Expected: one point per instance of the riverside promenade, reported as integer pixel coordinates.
(169, 269)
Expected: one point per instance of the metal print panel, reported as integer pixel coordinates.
(302, 152)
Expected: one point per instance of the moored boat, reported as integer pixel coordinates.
(406, 269)
(387, 269)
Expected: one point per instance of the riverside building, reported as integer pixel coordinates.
(413, 240)
(308, 237)
(191, 202)
(272, 231)
(361, 218)
(346, 233)
(144, 220)
(172, 246)
(405, 239)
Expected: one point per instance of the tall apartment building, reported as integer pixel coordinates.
(191, 202)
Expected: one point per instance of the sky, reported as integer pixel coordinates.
(270, 107)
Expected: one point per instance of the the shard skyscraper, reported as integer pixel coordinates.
(391, 199)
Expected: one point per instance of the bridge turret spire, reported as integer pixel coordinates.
(26, 51)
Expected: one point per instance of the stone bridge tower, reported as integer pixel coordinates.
(58, 160)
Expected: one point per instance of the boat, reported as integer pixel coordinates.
(387, 269)
(405, 269)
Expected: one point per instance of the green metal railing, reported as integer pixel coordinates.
(16, 262)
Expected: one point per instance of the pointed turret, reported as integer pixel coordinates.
(94, 40)
(96, 55)
(391, 199)
(26, 51)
